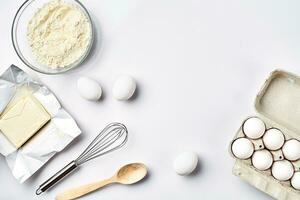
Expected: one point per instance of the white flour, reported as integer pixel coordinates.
(59, 34)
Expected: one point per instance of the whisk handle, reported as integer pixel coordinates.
(57, 177)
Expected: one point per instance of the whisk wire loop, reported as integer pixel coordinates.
(105, 143)
(112, 137)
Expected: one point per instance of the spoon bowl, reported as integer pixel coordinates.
(131, 173)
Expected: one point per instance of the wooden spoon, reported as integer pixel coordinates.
(127, 174)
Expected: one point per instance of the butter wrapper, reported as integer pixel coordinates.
(50, 139)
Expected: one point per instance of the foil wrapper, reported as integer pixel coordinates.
(52, 138)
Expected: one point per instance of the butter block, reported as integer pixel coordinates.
(23, 119)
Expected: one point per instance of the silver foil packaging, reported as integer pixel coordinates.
(50, 139)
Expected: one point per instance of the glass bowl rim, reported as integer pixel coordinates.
(31, 66)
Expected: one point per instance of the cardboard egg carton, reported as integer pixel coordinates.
(278, 105)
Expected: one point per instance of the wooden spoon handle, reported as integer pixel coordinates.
(82, 190)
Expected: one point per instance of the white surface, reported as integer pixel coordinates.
(216, 53)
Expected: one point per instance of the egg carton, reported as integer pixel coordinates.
(278, 105)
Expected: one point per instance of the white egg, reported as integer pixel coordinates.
(291, 150)
(185, 163)
(273, 139)
(242, 148)
(89, 88)
(254, 128)
(124, 88)
(262, 160)
(282, 170)
(295, 181)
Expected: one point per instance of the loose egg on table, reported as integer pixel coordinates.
(124, 88)
(242, 148)
(282, 170)
(89, 89)
(185, 163)
(254, 128)
(273, 139)
(262, 160)
(291, 150)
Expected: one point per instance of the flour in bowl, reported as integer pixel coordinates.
(59, 34)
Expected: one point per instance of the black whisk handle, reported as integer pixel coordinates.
(57, 177)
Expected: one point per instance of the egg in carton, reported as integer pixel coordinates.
(264, 157)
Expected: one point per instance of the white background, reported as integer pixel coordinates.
(198, 65)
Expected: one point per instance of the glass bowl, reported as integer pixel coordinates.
(20, 42)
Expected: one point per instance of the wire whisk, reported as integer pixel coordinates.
(111, 138)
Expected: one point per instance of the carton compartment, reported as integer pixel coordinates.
(278, 105)
(279, 101)
(263, 180)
